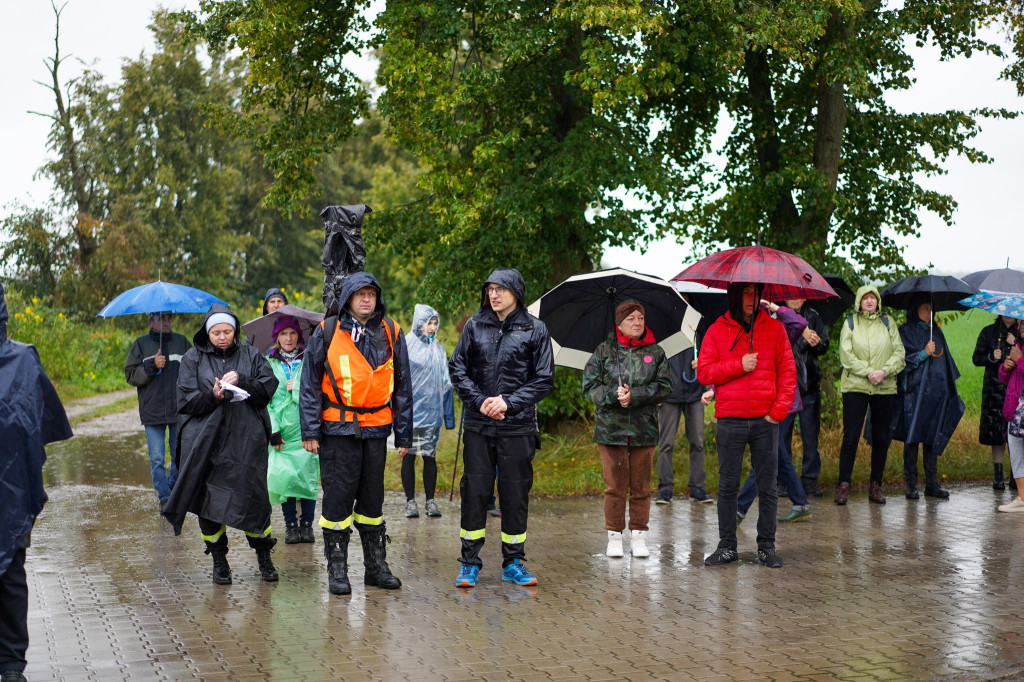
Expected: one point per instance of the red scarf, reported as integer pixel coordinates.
(645, 340)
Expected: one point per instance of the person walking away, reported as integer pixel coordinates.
(748, 360)
(626, 378)
(293, 474)
(152, 367)
(433, 404)
(1011, 374)
(355, 388)
(812, 344)
(224, 388)
(927, 407)
(501, 367)
(31, 419)
(682, 403)
(871, 354)
(993, 346)
(795, 326)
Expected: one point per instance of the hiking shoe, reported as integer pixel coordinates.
(769, 558)
(291, 534)
(638, 544)
(699, 495)
(811, 489)
(614, 544)
(411, 510)
(843, 494)
(938, 491)
(875, 493)
(467, 575)
(516, 573)
(721, 556)
(912, 494)
(1016, 506)
(306, 532)
(432, 510)
(796, 514)
(664, 497)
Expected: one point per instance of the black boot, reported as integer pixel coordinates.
(336, 553)
(910, 471)
(291, 534)
(267, 570)
(997, 477)
(306, 531)
(377, 572)
(219, 551)
(931, 477)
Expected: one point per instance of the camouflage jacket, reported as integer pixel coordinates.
(645, 370)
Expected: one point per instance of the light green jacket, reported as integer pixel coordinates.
(867, 347)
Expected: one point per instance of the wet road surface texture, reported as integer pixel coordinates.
(909, 590)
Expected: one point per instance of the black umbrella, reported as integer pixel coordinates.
(580, 313)
(710, 302)
(942, 291)
(1002, 281)
(831, 309)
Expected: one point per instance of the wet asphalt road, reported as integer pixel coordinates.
(910, 590)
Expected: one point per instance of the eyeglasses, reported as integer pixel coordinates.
(495, 291)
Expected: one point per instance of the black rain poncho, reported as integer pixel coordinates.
(343, 251)
(31, 417)
(222, 450)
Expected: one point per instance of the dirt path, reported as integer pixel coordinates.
(118, 422)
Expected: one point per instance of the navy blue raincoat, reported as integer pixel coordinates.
(31, 417)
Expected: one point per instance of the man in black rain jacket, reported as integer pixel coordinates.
(502, 367)
(32, 418)
(355, 389)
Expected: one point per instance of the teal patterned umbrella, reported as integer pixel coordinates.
(1011, 305)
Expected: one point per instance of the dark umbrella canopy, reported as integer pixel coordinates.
(259, 331)
(710, 302)
(783, 275)
(580, 313)
(834, 307)
(1002, 280)
(943, 292)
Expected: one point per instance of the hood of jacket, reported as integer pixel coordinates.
(420, 316)
(3, 315)
(201, 339)
(355, 282)
(734, 295)
(271, 292)
(508, 278)
(861, 293)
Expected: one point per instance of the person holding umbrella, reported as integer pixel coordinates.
(224, 388)
(152, 367)
(627, 378)
(927, 407)
(993, 346)
(872, 354)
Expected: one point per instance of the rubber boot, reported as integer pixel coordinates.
(336, 553)
(843, 493)
(263, 547)
(377, 573)
(997, 477)
(931, 478)
(221, 569)
(291, 534)
(306, 531)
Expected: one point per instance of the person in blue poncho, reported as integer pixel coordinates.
(927, 407)
(32, 417)
(432, 404)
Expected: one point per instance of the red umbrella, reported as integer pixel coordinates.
(783, 275)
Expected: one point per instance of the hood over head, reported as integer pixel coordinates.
(3, 314)
(915, 303)
(421, 315)
(734, 294)
(355, 282)
(271, 292)
(201, 339)
(862, 292)
(508, 278)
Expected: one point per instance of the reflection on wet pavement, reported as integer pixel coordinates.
(914, 590)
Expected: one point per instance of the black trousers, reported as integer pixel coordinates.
(733, 435)
(512, 457)
(931, 466)
(855, 409)
(215, 533)
(14, 615)
(352, 476)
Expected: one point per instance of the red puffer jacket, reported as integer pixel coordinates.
(769, 389)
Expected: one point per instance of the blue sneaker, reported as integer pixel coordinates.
(467, 575)
(516, 573)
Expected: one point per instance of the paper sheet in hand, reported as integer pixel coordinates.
(236, 392)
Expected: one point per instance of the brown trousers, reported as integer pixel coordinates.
(627, 473)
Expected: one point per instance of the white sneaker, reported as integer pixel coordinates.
(1016, 506)
(614, 544)
(638, 545)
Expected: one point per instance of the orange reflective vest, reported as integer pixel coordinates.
(351, 386)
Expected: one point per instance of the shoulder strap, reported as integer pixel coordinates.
(849, 322)
(885, 320)
(330, 326)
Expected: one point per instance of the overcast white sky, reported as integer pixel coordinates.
(107, 31)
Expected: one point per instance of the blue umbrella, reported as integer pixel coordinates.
(160, 297)
(1011, 305)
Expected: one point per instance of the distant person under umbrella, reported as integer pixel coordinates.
(993, 346)
(927, 407)
(1011, 373)
(222, 463)
(627, 378)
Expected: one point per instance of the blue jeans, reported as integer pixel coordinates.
(288, 509)
(787, 474)
(733, 434)
(810, 424)
(163, 479)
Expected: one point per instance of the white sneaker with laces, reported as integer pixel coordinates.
(614, 544)
(638, 544)
(1016, 506)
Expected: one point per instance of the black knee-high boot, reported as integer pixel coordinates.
(378, 573)
(336, 553)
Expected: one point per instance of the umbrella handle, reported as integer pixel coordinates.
(939, 354)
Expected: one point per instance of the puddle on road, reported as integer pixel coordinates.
(118, 459)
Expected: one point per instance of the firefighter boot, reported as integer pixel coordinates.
(267, 570)
(221, 570)
(336, 553)
(375, 540)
